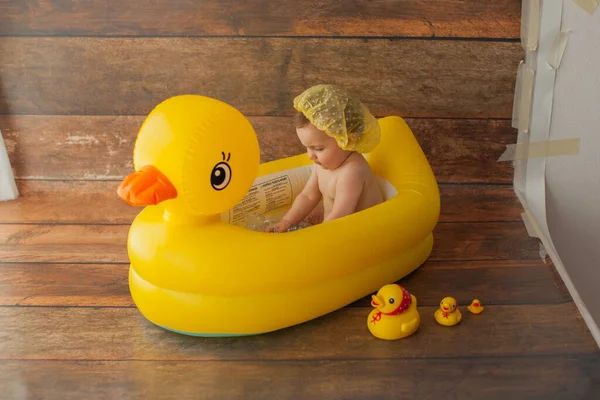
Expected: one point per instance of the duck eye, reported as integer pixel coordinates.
(220, 176)
(392, 300)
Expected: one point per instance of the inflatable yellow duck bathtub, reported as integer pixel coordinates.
(197, 272)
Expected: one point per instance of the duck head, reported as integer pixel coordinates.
(389, 298)
(448, 304)
(194, 155)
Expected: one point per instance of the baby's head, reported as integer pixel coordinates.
(332, 123)
(321, 148)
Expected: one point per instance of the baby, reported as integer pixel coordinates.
(335, 129)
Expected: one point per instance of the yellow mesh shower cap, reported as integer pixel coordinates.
(332, 109)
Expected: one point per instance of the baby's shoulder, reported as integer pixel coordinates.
(357, 166)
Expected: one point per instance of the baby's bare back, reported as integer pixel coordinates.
(360, 171)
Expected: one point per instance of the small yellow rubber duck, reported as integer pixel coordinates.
(475, 307)
(395, 315)
(448, 314)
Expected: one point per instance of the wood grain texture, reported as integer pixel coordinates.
(492, 282)
(423, 18)
(123, 334)
(561, 377)
(107, 243)
(106, 285)
(100, 147)
(65, 285)
(259, 76)
(483, 241)
(77, 79)
(68, 202)
(469, 203)
(96, 202)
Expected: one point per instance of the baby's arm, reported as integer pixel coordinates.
(306, 201)
(348, 188)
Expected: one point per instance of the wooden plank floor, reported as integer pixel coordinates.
(75, 84)
(69, 325)
(68, 320)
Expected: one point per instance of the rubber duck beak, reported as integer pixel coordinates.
(148, 186)
(377, 301)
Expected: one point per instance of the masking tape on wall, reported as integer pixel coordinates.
(530, 24)
(588, 5)
(549, 148)
(558, 49)
(522, 97)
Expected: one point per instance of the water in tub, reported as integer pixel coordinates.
(271, 195)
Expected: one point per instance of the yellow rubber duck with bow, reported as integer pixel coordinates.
(395, 315)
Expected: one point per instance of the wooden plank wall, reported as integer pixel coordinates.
(77, 79)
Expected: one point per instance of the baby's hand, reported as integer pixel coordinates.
(281, 226)
(315, 217)
(271, 228)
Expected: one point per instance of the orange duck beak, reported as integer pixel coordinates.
(377, 301)
(148, 186)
